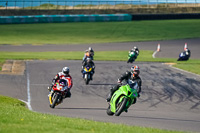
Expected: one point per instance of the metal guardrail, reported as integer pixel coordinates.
(95, 4)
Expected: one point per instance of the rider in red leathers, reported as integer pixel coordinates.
(63, 75)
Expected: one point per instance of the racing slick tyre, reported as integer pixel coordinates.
(121, 106)
(87, 79)
(55, 100)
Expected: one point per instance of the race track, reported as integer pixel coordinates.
(169, 48)
(170, 98)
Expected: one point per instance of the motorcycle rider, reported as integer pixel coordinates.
(185, 55)
(91, 64)
(128, 75)
(63, 75)
(134, 51)
(89, 53)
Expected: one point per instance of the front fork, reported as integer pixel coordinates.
(50, 96)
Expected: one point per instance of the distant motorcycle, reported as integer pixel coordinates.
(123, 98)
(131, 57)
(183, 56)
(58, 92)
(87, 73)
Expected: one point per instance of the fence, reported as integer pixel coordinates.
(95, 4)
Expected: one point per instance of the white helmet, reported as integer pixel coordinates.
(65, 70)
(90, 48)
(136, 49)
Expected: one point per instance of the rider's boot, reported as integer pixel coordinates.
(112, 90)
(109, 97)
(68, 94)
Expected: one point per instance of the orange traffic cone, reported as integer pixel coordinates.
(185, 47)
(158, 48)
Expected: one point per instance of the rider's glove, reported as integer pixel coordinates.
(119, 82)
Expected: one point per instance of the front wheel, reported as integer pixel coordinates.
(54, 100)
(87, 79)
(121, 107)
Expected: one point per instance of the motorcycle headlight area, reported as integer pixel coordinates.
(60, 87)
(63, 88)
(87, 69)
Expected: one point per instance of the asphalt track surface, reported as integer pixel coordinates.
(170, 98)
(170, 49)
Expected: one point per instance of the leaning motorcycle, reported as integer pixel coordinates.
(131, 57)
(87, 73)
(123, 98)
(183, 57)
(57, 93)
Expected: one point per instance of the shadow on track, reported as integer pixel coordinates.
(169, 87)
(84, 108)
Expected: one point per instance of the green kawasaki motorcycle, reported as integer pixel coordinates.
(132, 56)
(123, 98)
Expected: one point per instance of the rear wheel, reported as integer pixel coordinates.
(54, 100)
(109, 111)
(121, 106)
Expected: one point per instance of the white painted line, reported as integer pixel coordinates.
(28, 87)
(24, 102)
(153, 55)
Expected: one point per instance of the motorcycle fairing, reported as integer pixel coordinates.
(118, 96)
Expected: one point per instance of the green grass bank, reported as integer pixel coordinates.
(15, 117)
(98, 32)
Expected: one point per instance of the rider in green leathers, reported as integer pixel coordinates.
(133, 54)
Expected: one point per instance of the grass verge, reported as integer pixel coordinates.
(191, 65)
(1, 63)
(98, 32)
(15, 117)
